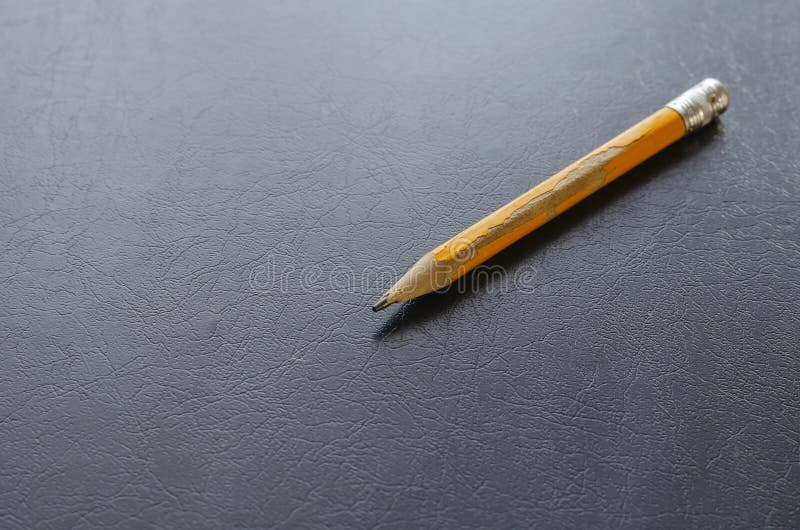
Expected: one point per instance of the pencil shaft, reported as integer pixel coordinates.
(561, 191)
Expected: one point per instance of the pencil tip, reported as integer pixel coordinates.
(381, 303)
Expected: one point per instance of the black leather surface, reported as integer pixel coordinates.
(180, 181)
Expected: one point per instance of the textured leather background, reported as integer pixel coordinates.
(163, 162)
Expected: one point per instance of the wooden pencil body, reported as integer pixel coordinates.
(557, 194)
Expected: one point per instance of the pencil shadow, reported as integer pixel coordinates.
(429, 306)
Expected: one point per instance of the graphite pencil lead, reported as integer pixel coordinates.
(381, 303)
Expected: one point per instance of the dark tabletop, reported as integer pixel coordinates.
(199, 203)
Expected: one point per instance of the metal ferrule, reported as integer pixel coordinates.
(699, 105)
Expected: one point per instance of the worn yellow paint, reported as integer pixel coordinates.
(560, 192)
(572, 201)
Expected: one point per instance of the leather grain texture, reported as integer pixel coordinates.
(190, 193)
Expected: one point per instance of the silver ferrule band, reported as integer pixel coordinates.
(699, 105)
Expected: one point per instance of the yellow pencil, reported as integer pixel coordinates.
(693, 109)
